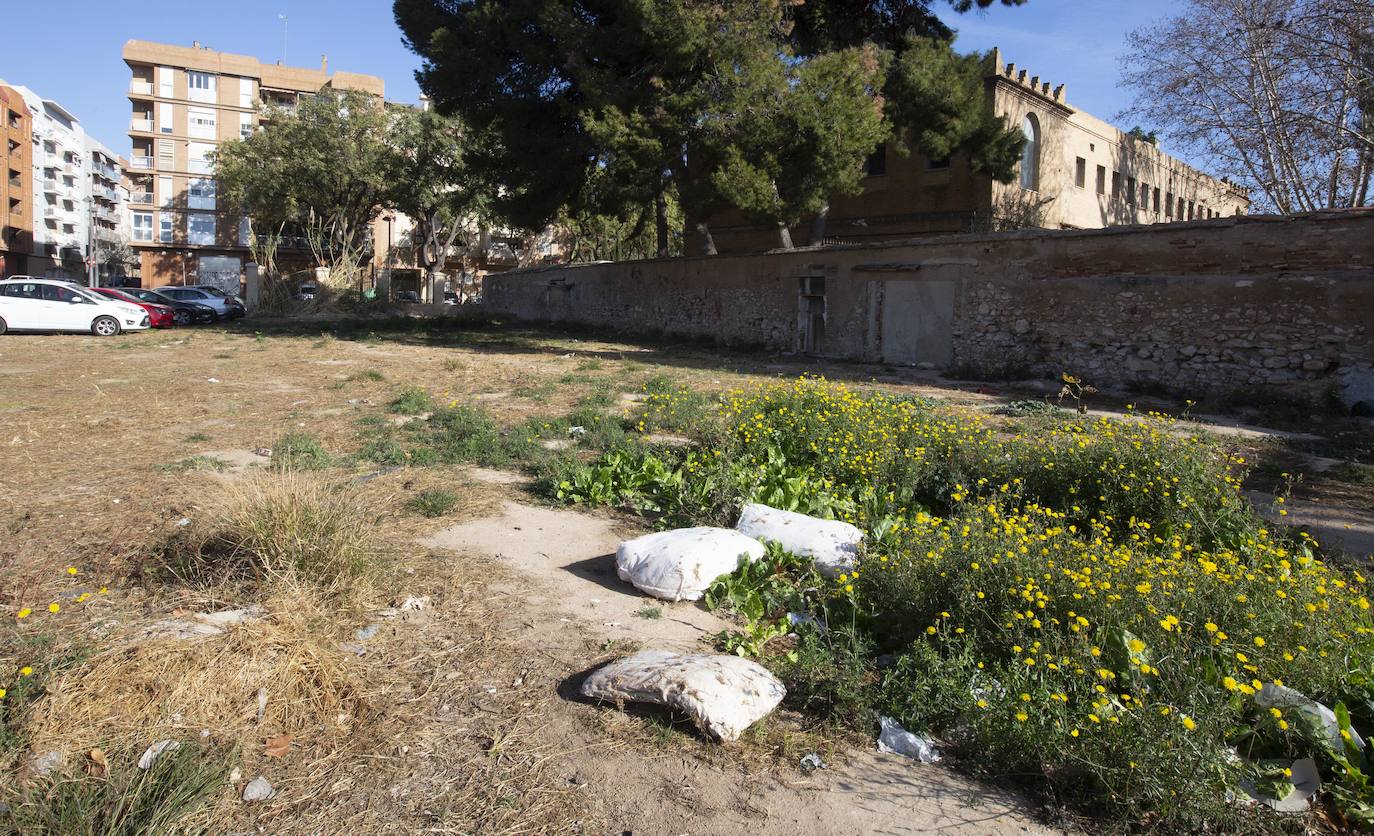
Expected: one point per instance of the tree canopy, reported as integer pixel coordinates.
(766, 105)
(1278, 95)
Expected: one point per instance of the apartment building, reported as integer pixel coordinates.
(59, 190)
(1076, 172)
(16, 182)
(108, 207)
(185, 102)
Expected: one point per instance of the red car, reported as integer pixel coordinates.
(159, 316)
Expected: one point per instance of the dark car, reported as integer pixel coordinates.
(185, 313)
(409, 296)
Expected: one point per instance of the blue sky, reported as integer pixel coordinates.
(77, 60)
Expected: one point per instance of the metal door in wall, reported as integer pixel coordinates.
(918, 323)
(221, 271)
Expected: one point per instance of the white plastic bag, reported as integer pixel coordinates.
(897, 740)
(832, 544)
(679, 565)
(724, 695)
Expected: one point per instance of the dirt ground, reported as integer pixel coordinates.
(476, 726)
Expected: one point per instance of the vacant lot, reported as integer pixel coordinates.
(417, 673)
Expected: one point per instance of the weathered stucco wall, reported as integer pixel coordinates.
(1228, 303)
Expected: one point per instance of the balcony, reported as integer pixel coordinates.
(141, 198)
(50, 211)
(140, 162)
(143, 126)
(141, 88)
(51, 187)
(200, 166)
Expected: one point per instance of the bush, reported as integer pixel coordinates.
(300, 451)
(1093, 603)
(433, 502)
(281, 525)
(130, 802)
(412, 401)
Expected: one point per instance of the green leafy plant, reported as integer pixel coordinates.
(433, 502)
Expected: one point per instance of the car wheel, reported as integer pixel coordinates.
(182, 317)
(105, 326)
(3, 326)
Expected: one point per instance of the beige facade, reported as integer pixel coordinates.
(185, 102)
(1078, 172)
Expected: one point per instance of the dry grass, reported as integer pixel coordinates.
(141, 690)
(284, 526)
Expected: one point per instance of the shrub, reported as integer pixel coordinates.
(130, 802)
(282, 525)
(433, 502)
(300, 451)
(1093, 603)
(412, 401)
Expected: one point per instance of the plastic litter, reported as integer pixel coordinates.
(679, 565)
(833, 545)
(897, 740)
(1281, 696)
(724, 695)
(157, 750)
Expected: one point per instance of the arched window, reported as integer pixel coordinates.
(1030, 154)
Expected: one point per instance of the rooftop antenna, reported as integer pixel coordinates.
(282, 18)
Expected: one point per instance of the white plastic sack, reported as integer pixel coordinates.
(1281, 696)
(679, 565)
(897, 740)
(724, 695)
(833, 545)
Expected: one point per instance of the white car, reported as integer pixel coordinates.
(28, 303)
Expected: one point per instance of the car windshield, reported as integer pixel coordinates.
(121, 295)
(214, 291)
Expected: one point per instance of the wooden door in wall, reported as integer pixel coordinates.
(917, 322)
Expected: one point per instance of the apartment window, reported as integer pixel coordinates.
(1116, 185)
(245, 233)
(200, 122)
(164, 117)
(1080, 172)
(1156, 197)
(1169, 205)
(198, 157)
(1191, 207)
(165, 231)
(200, 87)
(143, 226)
(200, 229)
(245, 92)
(245, 125)
(166, 152)
(1030, 153)
(165, 193)
(876, 164)
(1130, 191)
(14, 119)
(1145, 196)
(201, 194)
(164, 82)
(1101, 179)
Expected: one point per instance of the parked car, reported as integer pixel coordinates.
(407, 296)
(226, 307)
(32, 304)
(159, 315)
(218, 292)
(184, 313)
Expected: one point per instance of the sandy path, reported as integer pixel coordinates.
(566, 599)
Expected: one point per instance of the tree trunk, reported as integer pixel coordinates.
(708, 244)
(818, 225)
(661, 222)
(784, 236)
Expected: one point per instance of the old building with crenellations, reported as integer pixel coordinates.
(1076, 172)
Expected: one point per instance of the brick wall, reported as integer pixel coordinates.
(1229, 303)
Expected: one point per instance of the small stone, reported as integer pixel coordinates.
(258, 790)
(1020, 326)
(414, 603)
(235, 775)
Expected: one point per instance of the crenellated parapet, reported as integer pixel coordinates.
(1008, 73)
